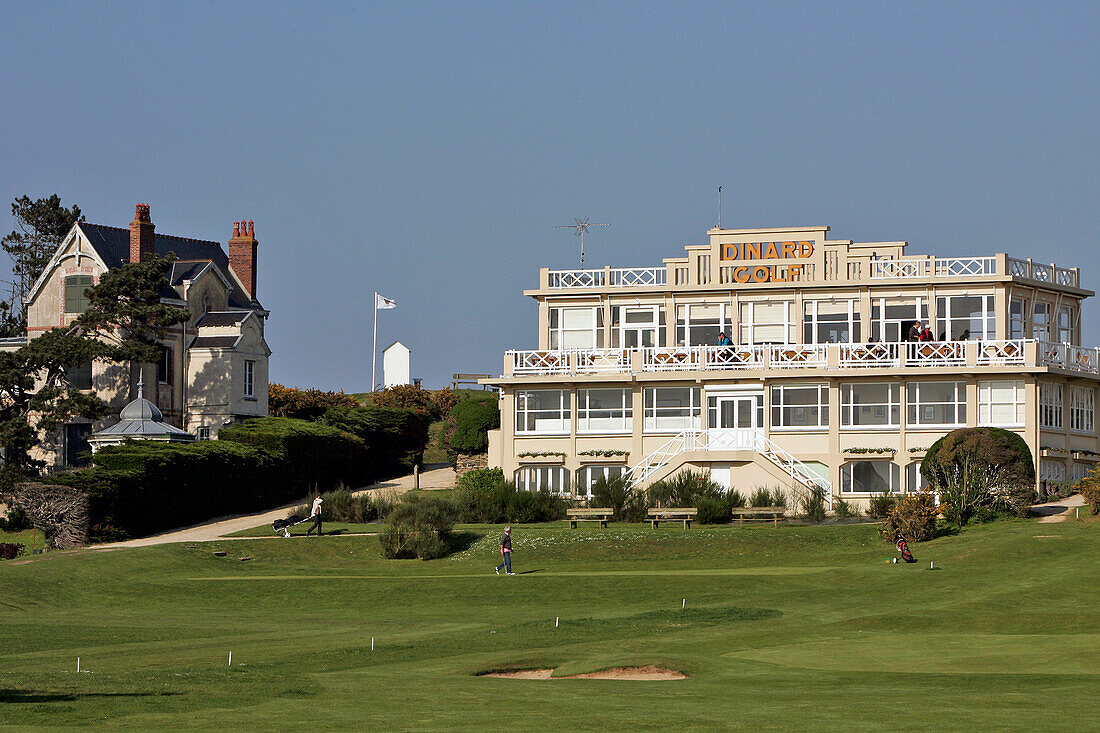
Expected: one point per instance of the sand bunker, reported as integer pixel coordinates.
(639, 674)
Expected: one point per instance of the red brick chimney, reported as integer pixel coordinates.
(142, 234)
(242, 255)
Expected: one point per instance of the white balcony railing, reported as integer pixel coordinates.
(616, 277)
(1042, 272)
(931, 354)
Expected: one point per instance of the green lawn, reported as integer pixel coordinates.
(329, 528)
(785, 628)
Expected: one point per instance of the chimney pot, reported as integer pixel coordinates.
(242, 255)
(142, 234)
(236, 229)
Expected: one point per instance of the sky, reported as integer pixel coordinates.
(427, 151)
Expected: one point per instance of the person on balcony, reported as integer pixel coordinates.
(724, 340)
(926, 333)
(915, 331)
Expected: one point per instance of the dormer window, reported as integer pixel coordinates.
(76, 298)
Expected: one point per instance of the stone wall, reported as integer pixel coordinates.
(469, 461)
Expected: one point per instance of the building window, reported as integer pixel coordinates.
(589, 475)
(831, 322)
(870, 477)
(1040, 321)
(164, 368)
(870, 404)
(936, 404)
(804, 406)
(965, 317)
(203, 432)
(1081, 415)
(77, 449)
(576, 328)
(1064, 325)
(891, 318)
(554, 479)
(1001, 403)
(914, 479)
(80, 376)
(1079, 470)
(76, 299)
(1050, 405)
(1017, 315)
(605, 410)
(1052, 471)
(672, 409)
(699, 325)
(542, 411)
(638, 327)
(772, 322)
(249, 378)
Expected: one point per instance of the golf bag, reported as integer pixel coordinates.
(284, 525)
(903, 548)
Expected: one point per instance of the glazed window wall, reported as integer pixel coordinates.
(1050, 405)
(576, 328)
(891, 318)
(965, 318)
(870, 404)
(1001, 403)
(1064, 326)
(870, 477)
(635, 327)
(914, 480)
(554, 479)
(699, 325)
(936, 404)
(1017, 318)
(1081, 412)
(542, 411)
(831, 322)
(605, 410)
(672, 409)
(589, 475)
(1040, 321)
(800, 406)
(768, 323)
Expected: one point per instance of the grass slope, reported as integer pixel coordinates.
(803, 627)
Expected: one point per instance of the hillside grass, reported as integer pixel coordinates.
(784, 628)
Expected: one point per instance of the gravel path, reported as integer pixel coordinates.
(1057, 511)
(434, 477)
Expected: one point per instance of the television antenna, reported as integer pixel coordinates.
(580, 228)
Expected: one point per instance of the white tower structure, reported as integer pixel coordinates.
(396, 365)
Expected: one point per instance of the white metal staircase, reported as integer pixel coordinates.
(721, 439)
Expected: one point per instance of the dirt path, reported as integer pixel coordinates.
(435, 477)
(1057, 511)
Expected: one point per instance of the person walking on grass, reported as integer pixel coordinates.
(506, 551)
(315, 515)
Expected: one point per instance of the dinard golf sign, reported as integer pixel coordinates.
(761, 252)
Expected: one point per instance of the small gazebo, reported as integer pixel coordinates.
(140, 420)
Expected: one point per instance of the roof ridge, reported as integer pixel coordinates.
(158, 234)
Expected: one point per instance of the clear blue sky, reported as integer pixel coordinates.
(427, 150)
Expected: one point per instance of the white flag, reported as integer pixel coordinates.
(382, 303)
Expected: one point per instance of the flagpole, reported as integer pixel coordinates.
(374, 346)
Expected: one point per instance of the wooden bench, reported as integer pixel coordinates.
(595, 514)
(672, 514)
(758, 514)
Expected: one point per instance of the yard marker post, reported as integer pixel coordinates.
(372, 643)
(931, 564)
(1077, 513)
(684, 605)
(556, 622)
(78, 664)
(230, 658)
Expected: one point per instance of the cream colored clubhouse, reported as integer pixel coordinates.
(820, 385)
(214, 369)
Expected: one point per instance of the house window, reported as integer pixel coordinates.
(1064, 325)
(1079, 470)
(936, 404)
(965, 317)
(589, 475)
(638, 327)
(1040, 321)
(870, 477)
(672, 409)
(1001, 403)
(891, 318)
(249, 378)
(699, 325)
(1052, 471)
(576, 328)
(804, 406)
(914, 479)
(203, 432)
(164, 368)
(870, 404)
(80, 376)
(76, 298)
(1081, 415)
(1017, 315)
(831, 322)
(554, 479)
(1050, 405)
(771, 322)
(542, 411)
(605, 410)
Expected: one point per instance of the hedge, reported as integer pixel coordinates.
(467, 427)
(394, 437)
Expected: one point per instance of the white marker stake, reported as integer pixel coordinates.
(684, 605)
(1077, 513)
(372, 643)
(78, 664)
(230, 659)
(555, 622)
(931, 564)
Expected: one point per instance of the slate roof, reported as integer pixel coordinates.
(222, 318)
(214, 342)
(142, 419)
(113, 246)
(186, 271)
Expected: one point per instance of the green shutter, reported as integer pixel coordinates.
(75, 299)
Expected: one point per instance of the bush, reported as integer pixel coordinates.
(712, 510)
(685, 489)
(880, 505)
(11, 550)
(913, 516)
(617, 494)
(844, 510)
(394, 438)
(485, 497)
(15, 521)
(812, 503)
(763, 496)
(303, 404)
(420, 526)
(466, 429)
(1090, 492)
(343, 506)
(436, 405)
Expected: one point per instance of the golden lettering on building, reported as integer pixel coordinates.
(762, 273)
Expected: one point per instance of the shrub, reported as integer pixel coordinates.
(303, 404)
(712, 510)
(615, 493)
(913, 516)
(420, 526)
(763, 496)
(1015, 500)
(394, 438)
(844, 510)
(685, 489)
(15, 521)
(880, 505)
(11, 550)
(970, 466)
(812, 503)
(343, 506)
(466, 429)
(485, 497)
(59, 512)
(1090, 492)
(436, 405)
(735, 498)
